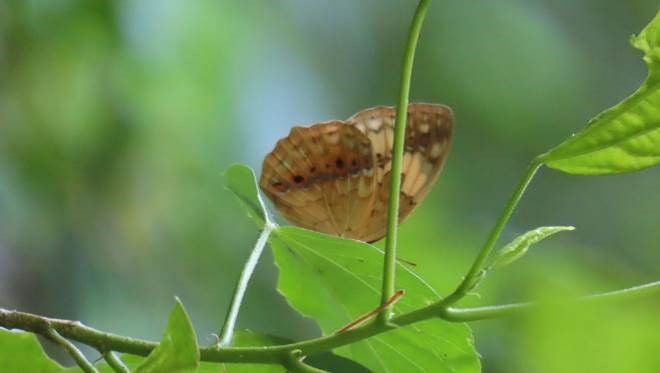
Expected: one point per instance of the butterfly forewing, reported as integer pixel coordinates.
(334, 177)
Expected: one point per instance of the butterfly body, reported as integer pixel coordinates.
(334, 176)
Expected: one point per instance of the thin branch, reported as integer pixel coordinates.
(389, 269)
(490, 312)
(227, 331)
(294, 363)
(115, 362)
(444, 310)
(75, 330)
(473, 274)
(623, 294)
(487, 312)
(75, 353)
(275, 354)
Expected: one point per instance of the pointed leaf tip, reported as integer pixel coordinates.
(241, 180)
(517, 248)
(178, 350)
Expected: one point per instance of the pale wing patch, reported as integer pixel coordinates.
(428, 135)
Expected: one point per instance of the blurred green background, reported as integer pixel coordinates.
(117, 120)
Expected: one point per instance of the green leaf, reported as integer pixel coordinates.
(246, 338)
(519, 246)
(626, 137)
(22, 352)
(178, 351)
(242, 182)
(335, 280)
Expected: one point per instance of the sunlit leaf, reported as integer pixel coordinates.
(242, 182)
(178, 350)
(519, 246)
(626, 137)
(334, 281)
(22, 352)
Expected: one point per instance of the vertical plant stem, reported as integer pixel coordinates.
(239, 292)
(495, 233)
(75, 353)
(397, 160)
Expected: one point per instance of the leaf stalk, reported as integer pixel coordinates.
(469, 280)
(227, 331)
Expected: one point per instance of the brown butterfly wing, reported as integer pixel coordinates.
(321, 177)
(428, 138)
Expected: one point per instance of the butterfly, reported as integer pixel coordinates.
(334, 176)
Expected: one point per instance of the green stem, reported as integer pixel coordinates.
(505, 310)
(115, 362)
(295, 364)
(397, 159)
(239, 292)
(471, 278)
(75, 353)
(277, 354)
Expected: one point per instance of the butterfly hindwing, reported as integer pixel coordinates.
(334, 176)
(428, 137)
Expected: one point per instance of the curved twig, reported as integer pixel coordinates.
(75, 353)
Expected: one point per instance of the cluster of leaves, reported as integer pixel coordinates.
(334, 280)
